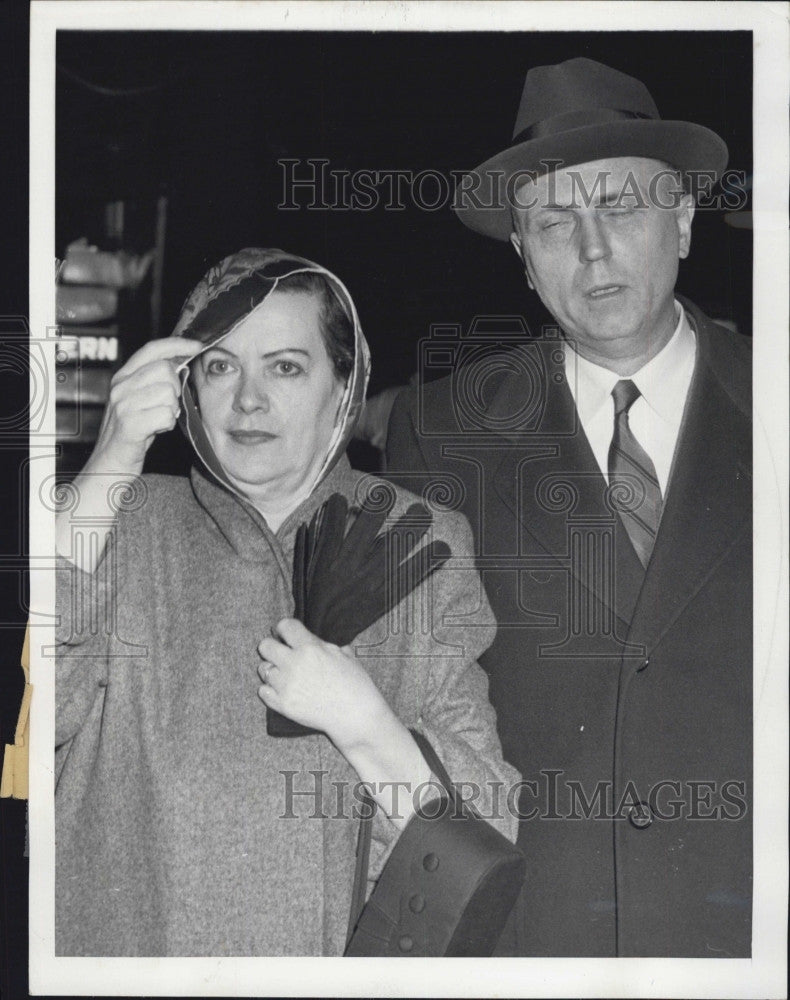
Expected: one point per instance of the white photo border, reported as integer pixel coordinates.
(764, 975)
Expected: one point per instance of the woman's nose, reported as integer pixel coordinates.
(593, 243)
(250, 395)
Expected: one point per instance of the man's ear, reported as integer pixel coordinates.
(684, 218)
(514, 239)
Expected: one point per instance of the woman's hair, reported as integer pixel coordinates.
(337, 328)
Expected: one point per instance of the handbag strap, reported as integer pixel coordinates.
(433, 762)
(366, 828)
(362, 865)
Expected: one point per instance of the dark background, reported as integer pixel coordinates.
(14, 394)
(203, 117)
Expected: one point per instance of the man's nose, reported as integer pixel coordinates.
(250, 395)
(593, 242)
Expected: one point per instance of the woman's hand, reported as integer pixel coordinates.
(325, 687)
(144, 401)
(318, 684)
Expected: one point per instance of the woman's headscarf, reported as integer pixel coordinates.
(224, 297)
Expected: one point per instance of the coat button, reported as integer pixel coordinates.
(430, 862)
(406, 943)
(640, 816)
(417, 903)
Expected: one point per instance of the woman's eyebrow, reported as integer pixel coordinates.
(286, 350)
(221, 350)
(268, 354)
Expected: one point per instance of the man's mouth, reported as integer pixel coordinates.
(604, 291)
(251, 437)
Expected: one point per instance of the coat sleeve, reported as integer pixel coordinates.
(457, 717)
(445, 692)
(456, 714)
(403, 451)
(86, 605)
(463, 880)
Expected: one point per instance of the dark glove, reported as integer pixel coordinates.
(347, 574)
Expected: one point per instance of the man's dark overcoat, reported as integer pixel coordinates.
(624, 697)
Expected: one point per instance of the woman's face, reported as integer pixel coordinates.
(269, 396)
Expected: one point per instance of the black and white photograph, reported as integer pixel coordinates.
(407, 485)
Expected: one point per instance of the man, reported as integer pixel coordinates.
(605, 469)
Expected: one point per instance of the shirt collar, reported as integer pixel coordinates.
(591, 385)
(665, 379)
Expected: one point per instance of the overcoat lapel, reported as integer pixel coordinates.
(557, 483)
(708, 503)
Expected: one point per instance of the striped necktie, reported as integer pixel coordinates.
(634, 486)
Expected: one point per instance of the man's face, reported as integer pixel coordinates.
(602, 253)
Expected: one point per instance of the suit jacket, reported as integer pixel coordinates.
(623, 696)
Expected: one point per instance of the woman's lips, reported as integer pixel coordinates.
(251, 437)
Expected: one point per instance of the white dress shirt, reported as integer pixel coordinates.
(655, 417)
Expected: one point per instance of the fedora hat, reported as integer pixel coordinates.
(576, 112)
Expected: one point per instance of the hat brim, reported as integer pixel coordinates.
(485, 194)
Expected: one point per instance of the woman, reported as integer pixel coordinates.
(183, 827)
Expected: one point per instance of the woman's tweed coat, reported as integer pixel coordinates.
(175, 835)
(182, 827)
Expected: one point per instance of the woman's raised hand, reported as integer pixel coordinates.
(144, 401)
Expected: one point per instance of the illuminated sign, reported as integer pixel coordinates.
(87, 348)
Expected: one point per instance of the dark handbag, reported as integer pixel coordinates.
(447, 889)
(348, 573)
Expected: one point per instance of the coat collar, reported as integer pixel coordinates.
(556, 489)
(245, 528)
(707, 505)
